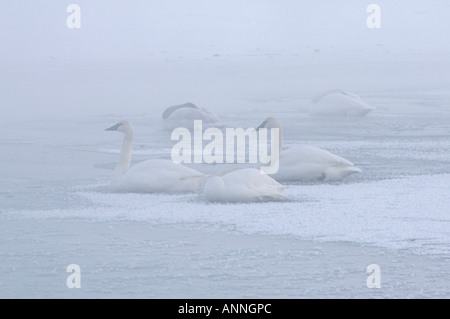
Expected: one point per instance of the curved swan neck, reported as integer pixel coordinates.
(125, 154)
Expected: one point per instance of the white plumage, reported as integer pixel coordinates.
(151, 176)
(243, 185)
(306, 163)
(339, 103)
(184, 115)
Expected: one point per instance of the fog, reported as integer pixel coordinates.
(146, 55)
(141, 29)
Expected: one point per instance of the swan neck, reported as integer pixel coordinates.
(125, 154)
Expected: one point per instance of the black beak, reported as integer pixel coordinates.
(113, 128)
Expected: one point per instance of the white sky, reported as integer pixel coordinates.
(37, 29)
(47, 69)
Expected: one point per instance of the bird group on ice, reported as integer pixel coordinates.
(299, 163)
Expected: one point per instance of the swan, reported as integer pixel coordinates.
(184, 115)
(151, 176)
(306, 163)
(339, 103)
(243, 185)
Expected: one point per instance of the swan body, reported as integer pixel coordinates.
(309, 163)
(306, 163)
(243, 185)
(184, 115)
(339, 103)
(151, 176)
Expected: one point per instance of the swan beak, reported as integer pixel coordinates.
(113, 128)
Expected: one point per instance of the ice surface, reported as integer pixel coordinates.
(394, 213)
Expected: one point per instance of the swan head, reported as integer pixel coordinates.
(270, 122)
(123, 126)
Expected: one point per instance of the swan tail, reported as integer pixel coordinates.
(337, 173)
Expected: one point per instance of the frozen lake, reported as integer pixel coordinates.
(60, 91)
(56, 209)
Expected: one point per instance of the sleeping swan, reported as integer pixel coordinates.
(184, 115)
(308, 163)
(243, 185)
(339, 103)
(151, 176)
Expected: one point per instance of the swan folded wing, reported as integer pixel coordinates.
(190, 112)
(258, 184)
(312, 154)
(198, 179)
(185, 117)
(161, 176)
(338, 102)
(174, 108)
(322, 94)
(334, 167)
(243, 185)
(308, 163)
(338, 172)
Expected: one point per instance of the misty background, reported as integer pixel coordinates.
(142, 56)
(60, 89)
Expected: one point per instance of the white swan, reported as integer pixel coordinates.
(308, 163)
(243, 185)
(151, 176)
(184, 115)
(339, 103)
